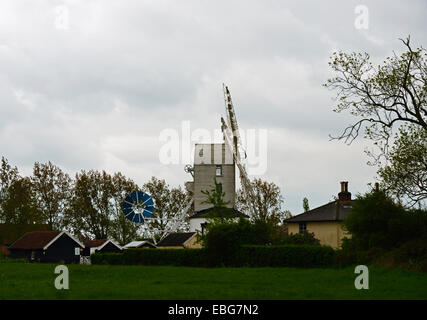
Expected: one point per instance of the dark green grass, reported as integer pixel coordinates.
(36, 281)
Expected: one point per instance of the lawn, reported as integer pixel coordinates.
(36, 281)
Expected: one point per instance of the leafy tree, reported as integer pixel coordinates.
(91, 208)
(268, 200)
(20, 206)
(52, 189)
(382, 97)
(215, 196)
(169, 204)
(220, 212)
(406, 172)
(122, 229)
(386, 98)
(17, 203)
(8, 175)
(377, 221)
(305, 205)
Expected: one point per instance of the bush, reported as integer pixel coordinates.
(384, 233)
(346, 256)
(171, 257)
(222, 242)
(413, 250)
(305, 238)
(107, 258)
(376, 221)
(245, 256)
(284, 256)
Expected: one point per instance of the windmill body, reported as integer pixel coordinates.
(211, 161)
(220, 161)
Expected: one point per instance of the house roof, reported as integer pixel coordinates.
(222, 212)
(35, 240)
(332, 211)
(138, 244)
(10, 232)
(95, 243)
(39, 240)
(175, 239)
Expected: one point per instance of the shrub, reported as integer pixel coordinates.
(305, 238)
(172, 257)
(284, 256)
(249, 256)
(376, 221)
(346, 256)
(222, 242)
(107, 258)
(413, 250)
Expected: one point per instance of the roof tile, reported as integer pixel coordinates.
(34, 240)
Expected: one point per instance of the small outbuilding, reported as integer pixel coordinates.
(47, 246)
(100, 245)
(10, 232)
(139, 245)
(179, 240)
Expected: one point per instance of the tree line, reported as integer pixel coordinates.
(88, 205)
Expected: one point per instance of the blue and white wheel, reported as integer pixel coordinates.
(138, 206)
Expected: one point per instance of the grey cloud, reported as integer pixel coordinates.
(123, 72)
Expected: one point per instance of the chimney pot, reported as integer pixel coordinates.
(344, 195)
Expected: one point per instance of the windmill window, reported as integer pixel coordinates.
(218, 171)
(302, 227)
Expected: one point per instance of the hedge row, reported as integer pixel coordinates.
(153, 257)
(284, 256)
(246, 256)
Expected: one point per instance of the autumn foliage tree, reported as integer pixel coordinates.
(8, 175)
(52, 189)
(122, 229)
(90, 205)
(268, 201)
(169, 204)
(20, 205)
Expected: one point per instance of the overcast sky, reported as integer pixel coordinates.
(92, 84)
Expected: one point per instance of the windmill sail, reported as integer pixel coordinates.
(232, 138)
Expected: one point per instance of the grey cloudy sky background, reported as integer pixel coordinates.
(98, 94)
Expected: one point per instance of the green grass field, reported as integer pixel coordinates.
(36, 281)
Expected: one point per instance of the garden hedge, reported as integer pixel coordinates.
(246, 256)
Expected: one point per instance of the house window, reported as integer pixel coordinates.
(302, 227)
(218, 171)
